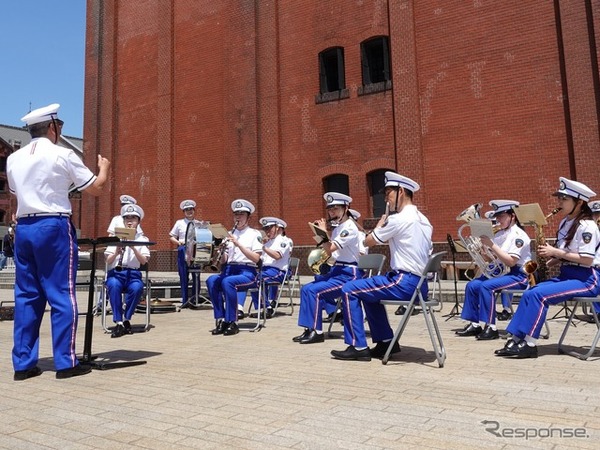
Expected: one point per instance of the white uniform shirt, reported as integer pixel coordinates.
(515, 242)
(362, 248)
(117, 222)
(179, 229)
(129, 259)
(585, 242)
(346, 237)
(249, 238)
(281, 245)
(409, 235)
(42, 174)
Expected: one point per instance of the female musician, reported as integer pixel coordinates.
(577, 240)
(511, 246)
(123, 275)
(241, 254)
(275, 260)
(345, 248)
(177, 237)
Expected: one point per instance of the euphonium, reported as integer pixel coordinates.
(540, 265)
(487, 261)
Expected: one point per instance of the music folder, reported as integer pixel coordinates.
(531, 213)
(319, 234)
(218, 231)
(126, 234)
(481, 227)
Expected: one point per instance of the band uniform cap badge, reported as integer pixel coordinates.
(574, 189)
(127, 200)
(186, 204)
(337, 198)
(270, 221)
(502, 205)
(519, 243)
(587, 237)
(393, 179)
(132, 210)
(242, 205)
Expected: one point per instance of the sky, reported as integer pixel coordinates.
(42, 46)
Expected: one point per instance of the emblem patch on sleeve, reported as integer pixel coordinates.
(344, 233)
(587, 237)
(519, 243)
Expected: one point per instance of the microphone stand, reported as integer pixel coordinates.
(456, 309)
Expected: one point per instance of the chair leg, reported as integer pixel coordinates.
(440, 352)
(399, 330)
(582, 356)
(338, 305)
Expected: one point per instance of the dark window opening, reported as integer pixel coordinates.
(375, 58)
(376, 183)
(337, 183)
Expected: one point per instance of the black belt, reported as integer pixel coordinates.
(345, 264)
(243, 264)
(580, 265)
(126, 267)
(45, 214)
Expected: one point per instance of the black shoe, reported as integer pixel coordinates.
(402, 309)
(220, 328)
(79, 369)
(381, 347)
(127, 326)
(270, 312)
(509, 349)
(312, 338)
(231, 329)
(302, 336)
(118, 331)
(21, 375)
(525, 351)
(470, 330)
(504, 315)
(351, 354)
(240, 314)
(488, 334)
(338, 317)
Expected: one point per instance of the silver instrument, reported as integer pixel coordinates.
(198, 244)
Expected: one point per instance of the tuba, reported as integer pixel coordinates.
(487, 261)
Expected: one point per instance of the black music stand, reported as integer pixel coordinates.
(197, 300)
(456, 309)
(88, 358)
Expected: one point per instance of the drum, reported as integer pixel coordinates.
(198, 245)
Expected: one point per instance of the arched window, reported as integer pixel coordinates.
(376, 183)
(337, 183)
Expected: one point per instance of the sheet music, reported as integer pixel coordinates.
(319, 233)
(481, 227)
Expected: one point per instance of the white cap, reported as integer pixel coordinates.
(393, 179)
(41, 114)
(595, 206)
(503, 205)
(127, 200)
(132, 210)
(242, 205)
(268, 221)
(187, 204)
(335, 198)
(489, 215)
(354, 213)
(574, 189)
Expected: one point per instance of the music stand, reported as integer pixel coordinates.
(456, 308)
(88, 358)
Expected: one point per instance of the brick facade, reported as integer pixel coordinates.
(216, 100)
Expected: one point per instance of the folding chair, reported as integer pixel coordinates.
(291, 284)
(371, 264)
(583, 301)
(105, 301)
(518, 293)
(427, 305)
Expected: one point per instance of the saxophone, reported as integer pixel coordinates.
(540, 266)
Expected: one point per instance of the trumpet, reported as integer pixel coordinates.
(215, 263)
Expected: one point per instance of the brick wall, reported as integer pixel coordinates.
(216, 100)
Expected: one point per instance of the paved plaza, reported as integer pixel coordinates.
(261, 390)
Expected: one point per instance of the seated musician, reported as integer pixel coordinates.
(408, 233)
(117, 221)
(275, 259)
(576, 251)
(242, 250)
(177, 237)
(123, 272)
(344, 248)
(595, 207)
(510, 245)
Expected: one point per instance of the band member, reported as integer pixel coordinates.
(275, 259)
(41, 174)
(595, 207)
(510, 244)
(177, 237)
(576, 250)
(344, 248)
(117, 221)
(408, 233)
(242, 251)
(123, 272)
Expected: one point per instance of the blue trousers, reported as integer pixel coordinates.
(184, 275)
(128, 281)
(46, 268)
(480, 301)
(269, 275)
(573, 281)
(313, 296)
(369, 292)
(223, 292)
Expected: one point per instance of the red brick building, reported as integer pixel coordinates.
(277, 101)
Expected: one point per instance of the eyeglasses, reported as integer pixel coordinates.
(563, 197)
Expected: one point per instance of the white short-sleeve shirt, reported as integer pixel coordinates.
(515, 242)
(281, 245)
(129, 258)
(249, 238)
